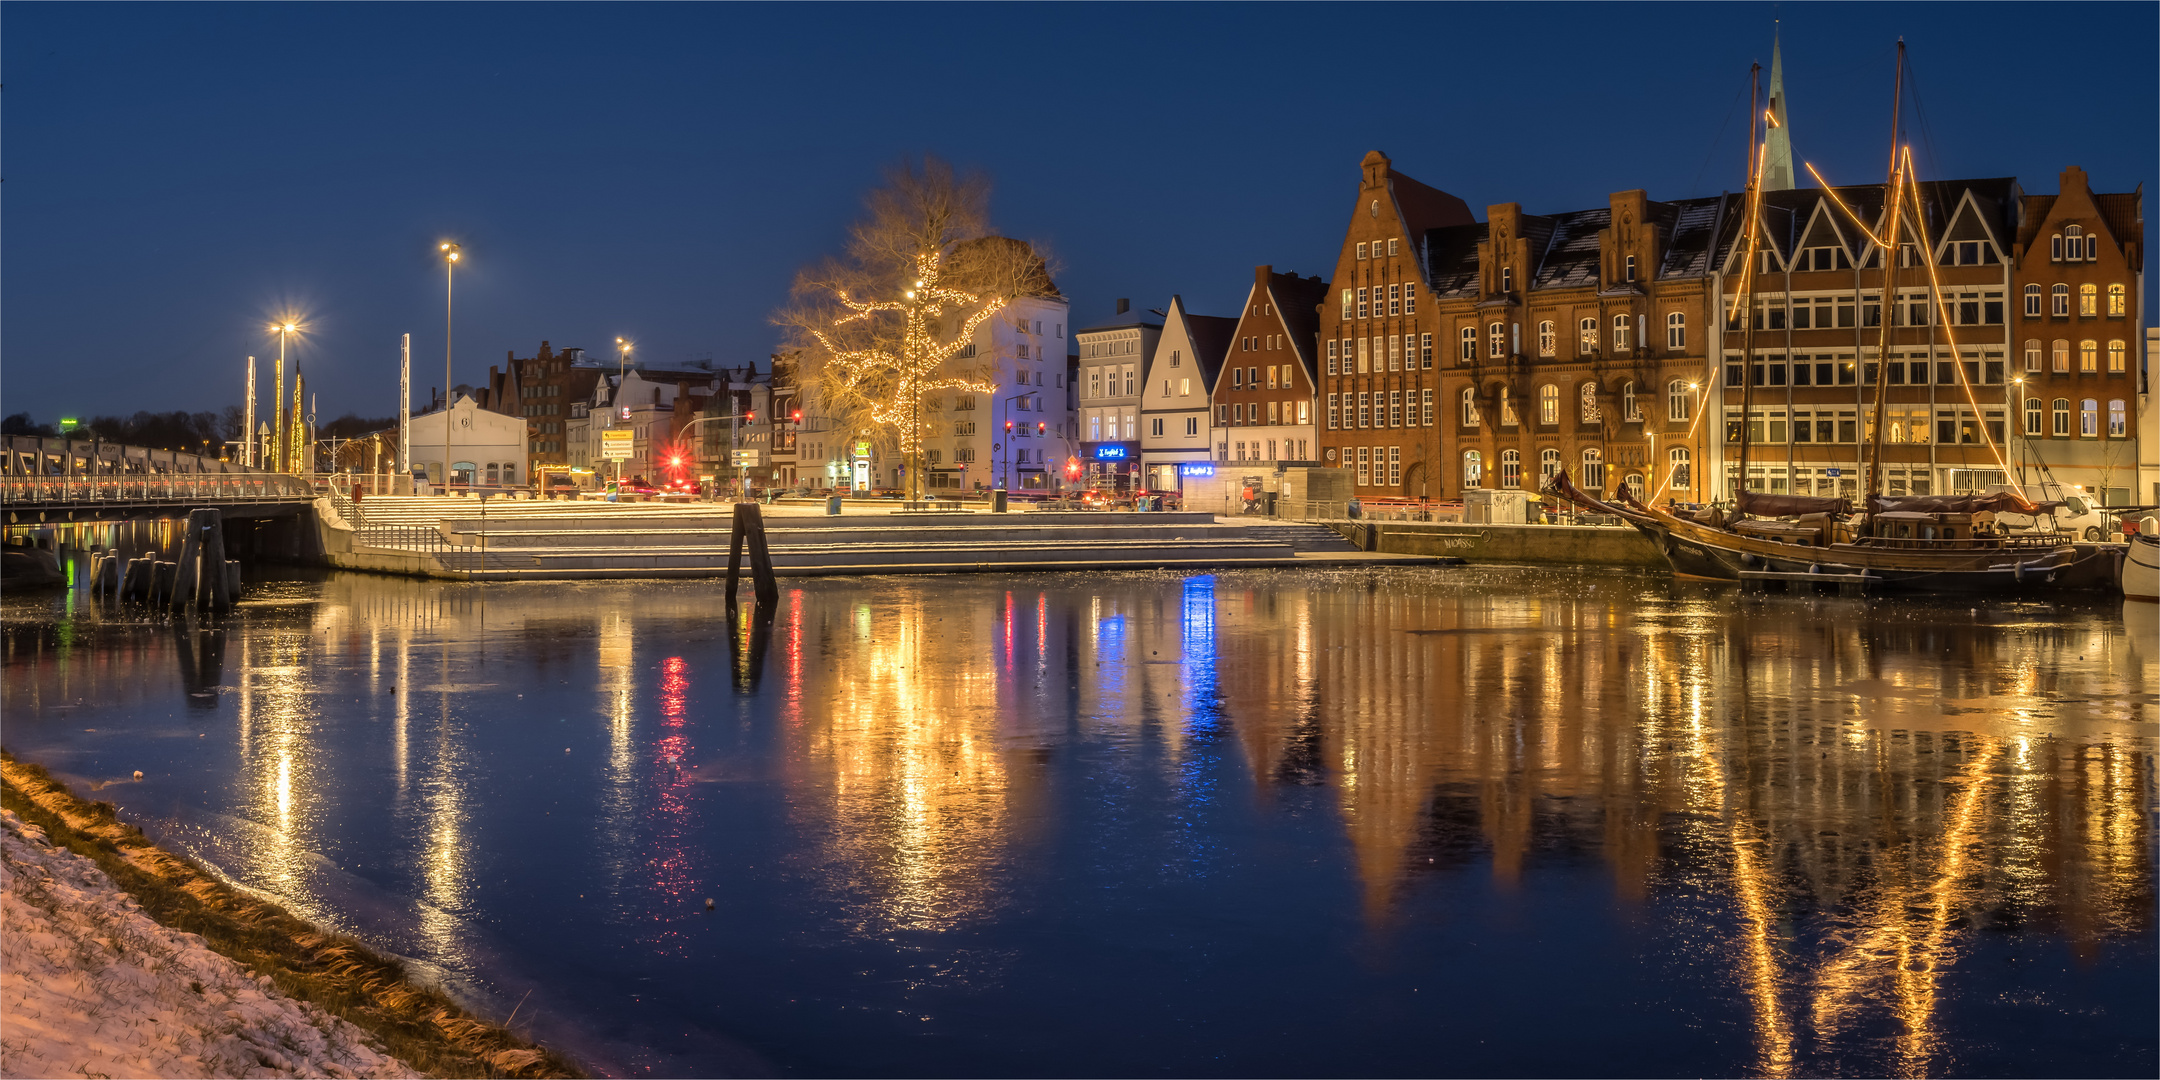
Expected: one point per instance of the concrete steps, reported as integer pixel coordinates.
(1303, 536)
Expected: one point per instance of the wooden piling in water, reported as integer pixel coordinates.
(749, 527)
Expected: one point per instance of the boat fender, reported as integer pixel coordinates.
(1814, 568)
(1747, 558)
(2018, 572)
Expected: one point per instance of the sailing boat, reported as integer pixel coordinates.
(1928, 542)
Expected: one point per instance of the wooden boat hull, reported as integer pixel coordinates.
(2140, 577)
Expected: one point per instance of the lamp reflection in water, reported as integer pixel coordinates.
(671, 822)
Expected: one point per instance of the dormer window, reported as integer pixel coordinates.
(1630, 271)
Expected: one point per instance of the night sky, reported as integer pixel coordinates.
(176, 174)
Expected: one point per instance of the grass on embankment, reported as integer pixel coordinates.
(418, 1025)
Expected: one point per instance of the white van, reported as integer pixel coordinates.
(2077, 517)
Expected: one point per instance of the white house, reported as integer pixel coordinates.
(485, 447)
(1174, 400)
(1113, 373)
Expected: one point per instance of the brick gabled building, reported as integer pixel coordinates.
(1264, 396)
(1379, 336)
(542, 388)
(1576, 340)
(2079, 279)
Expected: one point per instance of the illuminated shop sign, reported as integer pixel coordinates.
(1109, 453)
(1197, 468)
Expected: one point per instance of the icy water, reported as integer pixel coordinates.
(1434, 822)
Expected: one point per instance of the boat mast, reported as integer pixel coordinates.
(1893, 200)
(1746, 299)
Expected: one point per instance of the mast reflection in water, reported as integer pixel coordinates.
(1492, 822)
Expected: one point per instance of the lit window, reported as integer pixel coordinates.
(1676, 400)
(2118, 419)
(1473, 469)
(1510, 469)
(1469, 407)
(2118, 303)
(1394, 352)
(1676, 331)
(1548, 467)
(2089, 418)
(2062, 300)
(2089, 356)
(2116, 357)
(2062, 357)
(1589, 336)
(1548, 404)
(1349, 302)
(1507, 407)
(1679, 459)
(1546, 338)
(2088, 299)
(1591, 414)
(1593, 469)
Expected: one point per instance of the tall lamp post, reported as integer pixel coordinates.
(279, 438)
(450, 253)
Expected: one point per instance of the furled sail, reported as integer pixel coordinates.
(1762, 505)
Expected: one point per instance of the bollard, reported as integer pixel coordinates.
(832, 506)
(232, 580)
(997, 501)
(134, 580)
(162, 576)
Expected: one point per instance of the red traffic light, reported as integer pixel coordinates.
(1041, 427)
(1008, 425)
(750, 417)
(798, 416)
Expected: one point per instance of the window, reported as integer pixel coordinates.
(1391, 245)
(1362, 357)
(2062, 418)
(1425, 351)
(1349, 300)
(1546, 339)
(1620, 333)
(1589, 336)
(1507, 407)
(1507, 279)
(1496, 346)
(1629, 408)
(1394, 408)
(1409, 298)
(2088, 299)
(2115, 357)
(2055, 248)
(1394, 300)
(1510, 469)
(1361, 251)
(1155, 427)
(1679, 461)
(2032, 354)
(1095, 429)
(1548, 467)
(1395, 351)
(1331, 356)
(1131, 386)
(1676, 400)
(2092, 248)
(2089, 356)
(1222, 414)
(1304, 410)
(1427, 405)
(1593, 469)
(2089, 418)
(1591, 414)
(1333, 410)
(1629, 273)
(2032, 416)
(1394, 465)
(1184, 387)
(1237, 378)
(1364, 410)
(2118, 419)
(1469, 407)
(1364, 466)
(2032, 301)
(2062, 301)
(1548, 404)
(1361, 303)
(2062, 357)
(1469, 344)
(1270, 377)
(1192, 425)
(1676, 330)
(2118, 303)
(1473, 469)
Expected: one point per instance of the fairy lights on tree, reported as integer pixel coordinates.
(888, 329)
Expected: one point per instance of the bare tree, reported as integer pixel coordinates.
(890, 322)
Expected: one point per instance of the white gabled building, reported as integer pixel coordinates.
(1113, 373)
(1174, 423)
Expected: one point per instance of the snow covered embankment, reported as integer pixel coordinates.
(90, 985)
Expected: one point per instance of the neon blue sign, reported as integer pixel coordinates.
(1109, 453)
(1202, 468)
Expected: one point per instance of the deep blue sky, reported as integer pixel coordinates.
(175, 174)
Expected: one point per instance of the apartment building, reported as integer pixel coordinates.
(1113, 372)
(1265, 395)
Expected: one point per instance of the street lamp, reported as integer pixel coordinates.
(450, 253)
(279, 441)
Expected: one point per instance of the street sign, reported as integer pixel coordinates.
(862, 450)
(615, 444)
(1833, 473)
(747, 458)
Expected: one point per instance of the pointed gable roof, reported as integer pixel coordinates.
(1297, 302)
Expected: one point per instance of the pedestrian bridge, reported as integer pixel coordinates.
(65, 480)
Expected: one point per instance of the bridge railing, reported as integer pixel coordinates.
(153, 487)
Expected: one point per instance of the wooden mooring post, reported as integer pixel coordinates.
(750, 526)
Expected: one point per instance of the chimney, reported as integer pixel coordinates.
(1123, 305)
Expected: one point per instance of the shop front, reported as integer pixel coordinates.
(1113, 466)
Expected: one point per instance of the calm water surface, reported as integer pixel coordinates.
(1485, 821)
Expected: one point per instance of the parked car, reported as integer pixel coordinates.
(2077, 517)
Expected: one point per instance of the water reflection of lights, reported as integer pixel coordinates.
(671, 821)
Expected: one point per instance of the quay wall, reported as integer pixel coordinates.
(1552, 545)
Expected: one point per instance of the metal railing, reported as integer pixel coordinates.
(152, 487)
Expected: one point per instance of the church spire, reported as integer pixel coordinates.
(1778, 169)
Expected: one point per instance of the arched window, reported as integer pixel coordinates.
(2118, 419)
(2089, 418)
(2088, 299)
(1470, 416)
(1629, 407)
(1510, 469)
(1548, 466)
(2089, 356)
(1469, 343)
(1676, 400)
(1588, 327)
(2032, 301)
(2062, 418)
(2062, 300)
(1473, 469)
(2032, 354)
(1495, 340)
(2073, 244)
(1591, 414)
(2062, 357)
(1633, 481)
(2032, 416)
(2116, 357)
(1593, 469)
(1676, 331)
(2118, 302)
(2055, 248)
(1548, 341)
(1679, 460)
(1548, 404)
(1620, 333)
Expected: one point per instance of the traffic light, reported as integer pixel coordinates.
(1040, 427)
(1072, 468)
(798, 416)
(1008, 427)
(749, 417)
